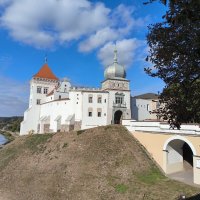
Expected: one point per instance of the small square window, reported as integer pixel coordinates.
(99, 114)
(90, 114)
(105, 100)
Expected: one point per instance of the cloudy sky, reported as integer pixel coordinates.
(78, 37)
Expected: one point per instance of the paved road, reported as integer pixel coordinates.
(184, 176)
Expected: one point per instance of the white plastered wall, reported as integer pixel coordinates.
(94, 120)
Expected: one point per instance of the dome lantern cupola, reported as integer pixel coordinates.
(115, 70)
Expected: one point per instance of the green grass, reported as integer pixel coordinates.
(150, 177)
(36, 142)
(7, 155)
(121, 188)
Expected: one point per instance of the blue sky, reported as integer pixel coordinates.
(78, 38)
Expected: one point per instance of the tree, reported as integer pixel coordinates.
(175, 54)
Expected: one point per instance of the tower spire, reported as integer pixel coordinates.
(115, 54)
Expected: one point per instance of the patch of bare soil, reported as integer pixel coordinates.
(102, 163)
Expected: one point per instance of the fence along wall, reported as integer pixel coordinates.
(132, 125)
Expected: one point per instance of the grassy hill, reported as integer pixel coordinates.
(101, 163)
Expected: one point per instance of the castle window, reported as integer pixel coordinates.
(105, 100)
(59, 96)
(90, 114)
(38, 101)
(99, 99)
(45, 90)
(90, 99)
(39, 90)
(118, 100)
(99, 111)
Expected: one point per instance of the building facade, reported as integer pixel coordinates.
(54, 105)
(142, 107)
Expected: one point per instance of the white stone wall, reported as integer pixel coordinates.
(141, 109)
(54, 109)
(94, 120)
(76, 99)
(32, 114)
(30, 122)
(34, 83)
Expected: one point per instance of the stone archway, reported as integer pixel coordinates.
(118, 117)
(178, 158)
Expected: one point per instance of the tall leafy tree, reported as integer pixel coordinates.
(175, 53)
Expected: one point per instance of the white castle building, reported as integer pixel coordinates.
(54, 105)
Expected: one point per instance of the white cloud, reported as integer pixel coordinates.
(13, 97)
(42, 23)
(121, 25)
(127, 49)
(98, 39)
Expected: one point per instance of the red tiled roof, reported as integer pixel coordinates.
(45, 72)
